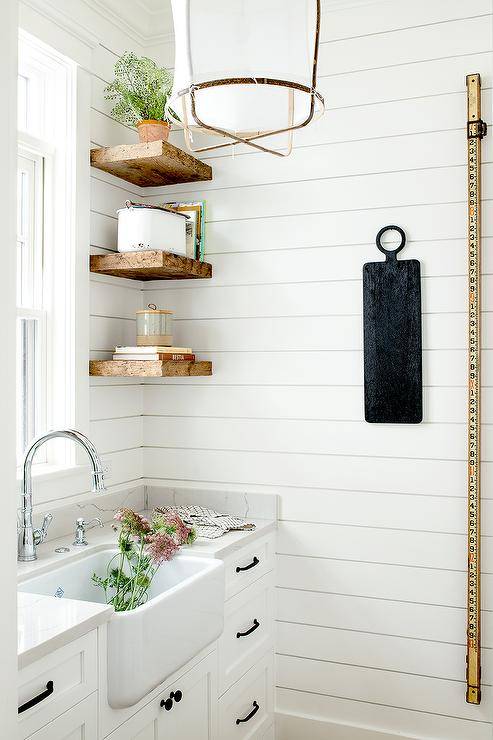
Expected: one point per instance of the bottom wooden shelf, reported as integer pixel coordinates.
(148, 368)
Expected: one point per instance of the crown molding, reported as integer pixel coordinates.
(47, 10)
(140, 22)
(145, 26)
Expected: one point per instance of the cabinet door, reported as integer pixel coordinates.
(192, 701)
(145, 725)
(185, 710)
(78, 723)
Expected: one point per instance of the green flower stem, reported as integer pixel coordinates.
(136, 574)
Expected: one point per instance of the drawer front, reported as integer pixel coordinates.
(57, 682)
(248, 630)
(249, 564)
(246, 711)
(79, 723)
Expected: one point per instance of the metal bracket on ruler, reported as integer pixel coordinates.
(477, 129)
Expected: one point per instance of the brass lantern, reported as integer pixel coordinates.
(245, 70)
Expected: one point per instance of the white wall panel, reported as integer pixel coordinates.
(371, 543)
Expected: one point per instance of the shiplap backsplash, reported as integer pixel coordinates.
(371, 563)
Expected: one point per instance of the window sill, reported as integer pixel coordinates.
(45, 471)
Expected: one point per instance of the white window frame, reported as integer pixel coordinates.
(35, 236)
(66, 228)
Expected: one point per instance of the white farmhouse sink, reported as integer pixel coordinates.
(184, 614)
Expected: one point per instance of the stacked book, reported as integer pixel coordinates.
(166, 354)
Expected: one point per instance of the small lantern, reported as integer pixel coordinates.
(245, 69)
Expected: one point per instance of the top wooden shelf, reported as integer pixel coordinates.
(150, 164)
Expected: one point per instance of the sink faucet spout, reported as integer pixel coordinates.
(28, 537)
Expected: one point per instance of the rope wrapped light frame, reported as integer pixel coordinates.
(191, 121)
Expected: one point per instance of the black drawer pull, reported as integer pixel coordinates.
(256, 625)
(32, 702)
(176, 695)
(167, 704)
(249, 716)
(254, 562)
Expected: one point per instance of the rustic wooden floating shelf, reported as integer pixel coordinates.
(150, 266)
(150, 164)
(148, 368)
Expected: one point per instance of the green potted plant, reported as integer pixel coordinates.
(141, 90)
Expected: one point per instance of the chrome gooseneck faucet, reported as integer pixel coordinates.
(28, 537)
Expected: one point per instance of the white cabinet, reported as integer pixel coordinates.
(248, 630)
(78, 723)
(249, 564)
(57, 682)
(184, 710)
(246, 710)
(245, 649)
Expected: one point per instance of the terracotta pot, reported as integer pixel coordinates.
(153, 131)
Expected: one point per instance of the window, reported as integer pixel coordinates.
(31, 311)
(45, 247)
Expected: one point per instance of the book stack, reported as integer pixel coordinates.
(166, 354)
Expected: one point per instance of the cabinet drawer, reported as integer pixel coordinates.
(59, 681)
(246, 711)
(79, 723)
(249, 564)
(248, 630)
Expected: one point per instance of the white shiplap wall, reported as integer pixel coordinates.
(371, 565)
(115, 405)
(115, 408)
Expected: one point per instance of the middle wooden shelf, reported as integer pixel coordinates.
(147, 265)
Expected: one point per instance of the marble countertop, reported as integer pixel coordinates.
(46, 623)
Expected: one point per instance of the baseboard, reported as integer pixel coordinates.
(293, 727)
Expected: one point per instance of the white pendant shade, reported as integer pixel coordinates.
(245, 67)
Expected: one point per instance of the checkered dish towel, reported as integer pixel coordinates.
(207, 522)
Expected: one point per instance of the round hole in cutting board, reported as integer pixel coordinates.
(390, 240)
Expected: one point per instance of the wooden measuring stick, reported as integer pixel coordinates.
(476, 130)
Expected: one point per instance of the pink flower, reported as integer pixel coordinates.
(131, 521)
(161, 547)
(174, 525)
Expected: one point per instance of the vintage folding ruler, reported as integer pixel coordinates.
(476, 130)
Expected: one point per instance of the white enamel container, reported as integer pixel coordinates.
(143, 229)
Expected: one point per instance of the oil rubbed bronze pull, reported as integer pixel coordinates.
(256, 625)
(254, 562)
(37, 699)
(249, 716)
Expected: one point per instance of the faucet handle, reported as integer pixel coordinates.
(41, 533)
(92, 523)
(80, 530)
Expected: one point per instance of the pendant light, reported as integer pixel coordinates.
(245, 70)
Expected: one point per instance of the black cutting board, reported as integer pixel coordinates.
(392, 337)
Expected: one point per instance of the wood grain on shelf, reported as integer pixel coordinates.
(150, 266)
(149, 368)
(150, 164)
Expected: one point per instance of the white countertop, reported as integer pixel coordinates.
(46, 623)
